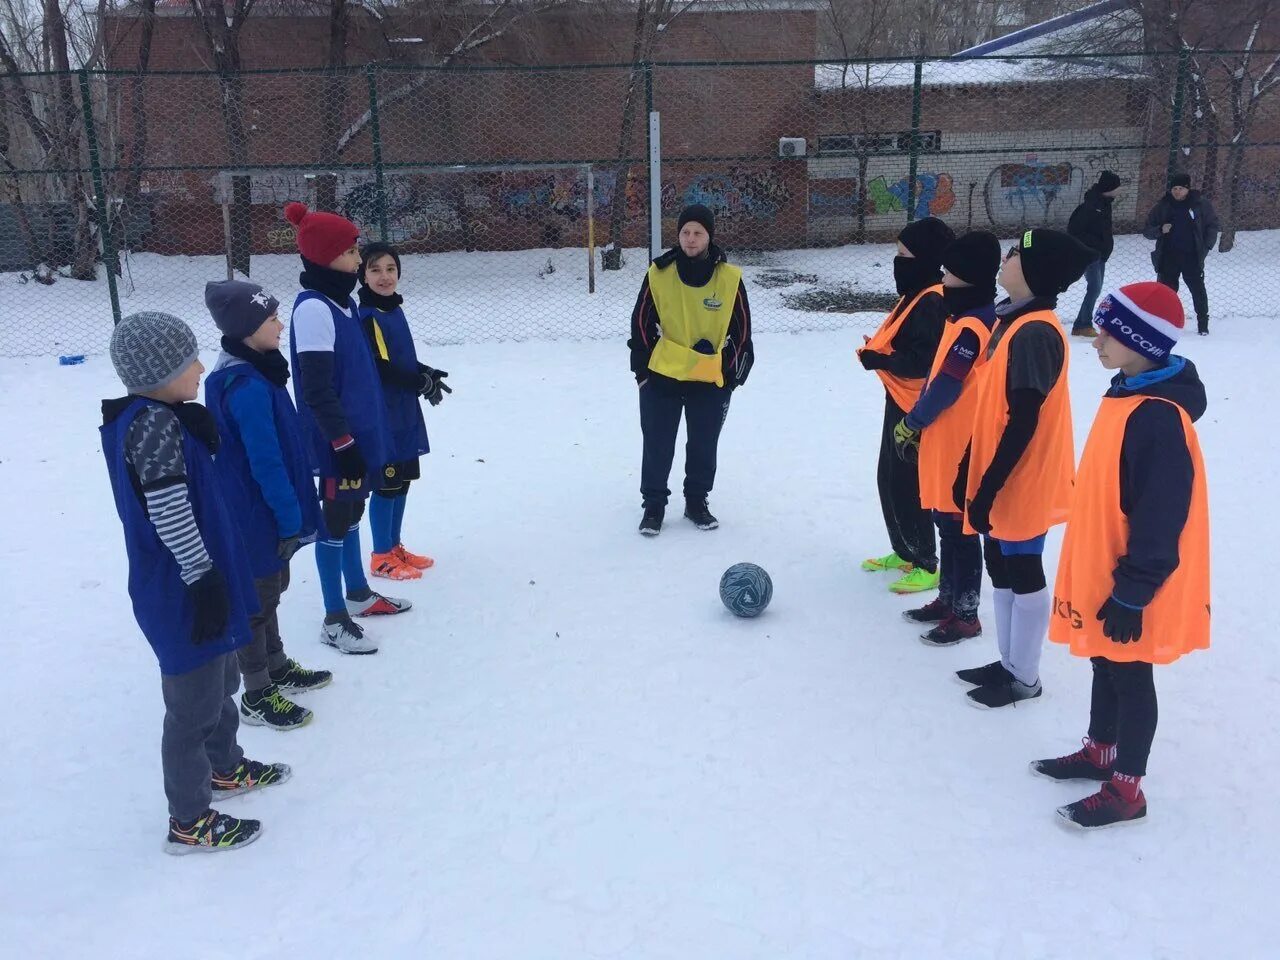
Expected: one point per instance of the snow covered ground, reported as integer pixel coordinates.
(457, 298)
(569, 750)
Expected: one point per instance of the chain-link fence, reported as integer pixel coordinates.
(522, 197)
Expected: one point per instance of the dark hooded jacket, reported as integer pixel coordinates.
(1156, 475)
(1195, 214)
(1090, 223)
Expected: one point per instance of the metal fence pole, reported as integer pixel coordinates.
(619, 189)
(914, 167)
(100, 199)
(1179, 97)
(655, 184)
(375, 133)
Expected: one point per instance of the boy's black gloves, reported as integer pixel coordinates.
(1120, 623)
(288, 546)
(433, 386)
(979, 511)
(211, 607)
(350, 461)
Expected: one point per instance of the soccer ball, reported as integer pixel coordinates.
(746, 589)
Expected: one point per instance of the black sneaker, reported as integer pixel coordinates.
(951, 631)
(212, 832)
(249, 775)
(696, 510)
(651, 522)
(1075, 766)
(1007, 694)
(935, 611)
(271, 708)
(985, 676)
(1106, 808)
(295, 678)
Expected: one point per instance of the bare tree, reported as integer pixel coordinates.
(221, 27)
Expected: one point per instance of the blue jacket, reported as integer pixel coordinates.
(161, 602)
(392, 342)
(263, 464)
(355, 380)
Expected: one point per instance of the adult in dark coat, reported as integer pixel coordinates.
(1090, 223)
(1185, 227)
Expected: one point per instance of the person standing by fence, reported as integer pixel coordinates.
(690, 348)
(1090, 223)
(1184, 226)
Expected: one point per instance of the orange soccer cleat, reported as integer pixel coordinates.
(415, 560)
(389, 566)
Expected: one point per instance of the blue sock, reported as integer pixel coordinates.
(329, 563)
(397, 518)
(353, 563)
(382, 522)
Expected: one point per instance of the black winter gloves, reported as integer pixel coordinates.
(211, 607)
(287, 547)
(433, 386)
(979, 511)
(1120, 624)
(351, 462)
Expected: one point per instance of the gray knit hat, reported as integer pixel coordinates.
(238, 308)
(149, 350)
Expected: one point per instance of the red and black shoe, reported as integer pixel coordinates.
(936, 610)
(951, 631)
(1109, 807)
(373, 604)
(1093, 761)
(211, 832)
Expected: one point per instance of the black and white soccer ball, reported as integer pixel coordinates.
(746, 589)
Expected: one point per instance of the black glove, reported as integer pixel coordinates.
(1120, 624)
(872, 360)
(906, 442)
(350, 461)
(979, 511)
(705, 348)
(433, 386)
(288, 546)
(211, 608)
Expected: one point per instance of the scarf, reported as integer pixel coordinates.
(369, 298)
(334, 284)
(270, 364)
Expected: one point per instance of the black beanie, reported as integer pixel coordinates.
(1180, 180)
(1052, 260)
(974, 258)
(1107, 181)
(697, 213)
(372, 251)
(927, 239)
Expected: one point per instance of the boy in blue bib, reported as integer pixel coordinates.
(265, 470)
(404, 381)
(340, 404)
(188, 575)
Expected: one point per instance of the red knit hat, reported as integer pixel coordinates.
(1146, 317)
(322, 237)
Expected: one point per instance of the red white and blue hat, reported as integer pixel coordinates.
(1146, 317)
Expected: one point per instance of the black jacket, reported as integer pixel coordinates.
(1155, 481)
(1090, 223)
(1203, 216)
(916, 341)
(738, 355)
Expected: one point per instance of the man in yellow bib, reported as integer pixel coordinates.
(690, 348)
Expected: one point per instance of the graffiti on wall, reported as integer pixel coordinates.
(737, 194)
(935, 195)
(1032, 192)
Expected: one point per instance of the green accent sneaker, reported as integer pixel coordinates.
(917, 581)
(890, 562)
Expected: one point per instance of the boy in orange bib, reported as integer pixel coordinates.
(901, 353)
(1016, 478)
(1133, 580)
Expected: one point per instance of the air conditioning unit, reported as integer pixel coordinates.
(792, 147)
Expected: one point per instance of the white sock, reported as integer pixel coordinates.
(1003, 597)
(1030, 625)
